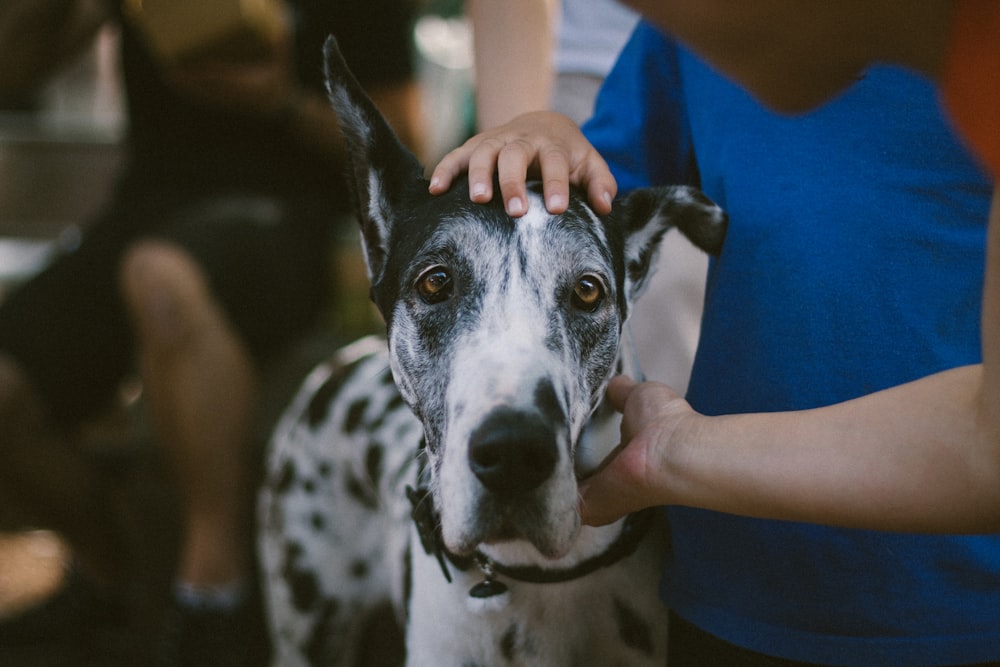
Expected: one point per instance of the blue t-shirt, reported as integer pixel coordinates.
(854, 262)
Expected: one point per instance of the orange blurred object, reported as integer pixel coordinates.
(180, 30)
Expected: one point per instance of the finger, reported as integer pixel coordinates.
(602, 499)
(600, 183)
(620, 486)
(618, 391)
(448, 169)
(512, 174)
(554, 166)
(482, 167)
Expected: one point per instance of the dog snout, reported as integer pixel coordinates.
(513, 452)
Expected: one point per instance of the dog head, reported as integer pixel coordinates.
(503, 332)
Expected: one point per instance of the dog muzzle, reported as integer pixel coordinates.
(634, 529)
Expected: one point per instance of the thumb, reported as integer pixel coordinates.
(618, 391)
(604, 497)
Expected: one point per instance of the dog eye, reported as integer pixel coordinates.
(588, 293)
(434, 285)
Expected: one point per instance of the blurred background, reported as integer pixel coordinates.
(58, 159)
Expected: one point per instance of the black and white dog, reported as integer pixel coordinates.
(449, 487)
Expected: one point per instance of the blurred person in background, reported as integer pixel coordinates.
(211, 256)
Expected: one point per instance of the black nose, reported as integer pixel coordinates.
(513, 452)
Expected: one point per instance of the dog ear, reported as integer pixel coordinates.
(381, 168)
(646, 214)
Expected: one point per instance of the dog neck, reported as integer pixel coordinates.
(627, 533)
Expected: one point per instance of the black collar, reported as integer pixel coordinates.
(634, 529)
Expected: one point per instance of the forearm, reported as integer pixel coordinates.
(919, 457)
(507, 87)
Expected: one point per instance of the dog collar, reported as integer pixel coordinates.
(425, 518)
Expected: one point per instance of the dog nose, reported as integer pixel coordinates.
(513, 452)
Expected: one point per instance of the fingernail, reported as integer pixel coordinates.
(515, 206)
(555, 203)
(607, 198)
(478, 190)
(435, 182)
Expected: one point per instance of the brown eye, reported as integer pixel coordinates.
(434, 285)
(588, 293)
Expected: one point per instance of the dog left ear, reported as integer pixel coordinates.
(645, 215)
(381, 168)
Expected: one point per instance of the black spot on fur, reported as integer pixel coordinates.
(318, 521)
(355, 413)
(319, 405)
(407, 580)
(359, 569)
(375, 424)
(395, 403)
(637, 268)
(304, 590)
(508, 643)
(632, 629)
(325, 469)
(285, 478)
(373, 463)
(547, 402)
(309, 486)
(317, 646)
(301, 582)
(364, 488)
(360, 490)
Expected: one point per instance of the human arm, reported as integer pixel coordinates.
(507, 87)
(638, 128)
(517, 142)
(923, 456)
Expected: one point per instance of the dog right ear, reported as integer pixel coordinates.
(646, 214)
(381, 168)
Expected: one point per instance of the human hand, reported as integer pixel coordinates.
(541, 144)
(636, 475)
(261, 86)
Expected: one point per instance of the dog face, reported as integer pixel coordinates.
(503, 332)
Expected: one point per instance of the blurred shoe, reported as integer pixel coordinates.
(199, 634)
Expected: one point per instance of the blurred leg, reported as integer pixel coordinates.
(201, 388)
(44, 481)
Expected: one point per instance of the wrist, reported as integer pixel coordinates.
(681, 458)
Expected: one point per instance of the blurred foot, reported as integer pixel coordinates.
(216, 628)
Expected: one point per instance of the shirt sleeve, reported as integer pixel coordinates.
(640, 124)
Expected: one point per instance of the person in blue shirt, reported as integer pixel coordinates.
(841, 345)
